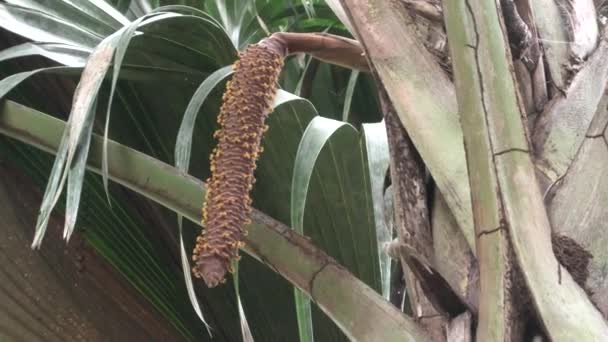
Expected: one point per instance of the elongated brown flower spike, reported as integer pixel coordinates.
(246, 103)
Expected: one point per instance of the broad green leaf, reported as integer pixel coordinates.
(325, 91)
(332, 188)
(314, 139)
(135, 8)
(194, 33)
(316, 135)
(272, 190)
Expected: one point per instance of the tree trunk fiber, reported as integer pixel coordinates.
(522, 72)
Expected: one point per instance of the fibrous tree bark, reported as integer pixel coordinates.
(525, 71)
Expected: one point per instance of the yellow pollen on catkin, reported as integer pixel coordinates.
(245, 105)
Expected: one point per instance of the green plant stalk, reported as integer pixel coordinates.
(495, 304)
(491, 118)
(361, 313)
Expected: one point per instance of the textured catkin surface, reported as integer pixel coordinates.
(246, 103)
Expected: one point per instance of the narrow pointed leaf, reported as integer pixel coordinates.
(9, 83)
(377, 156)
(64, 54)
(348, 97)
(76, 177)
(183, 144)
(245, 330)
(316, 135)
(343, 199)
(120, 50)
(81, 114)
(109, 10)
(188, 279)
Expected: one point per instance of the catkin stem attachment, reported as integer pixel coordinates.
(246, 103)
